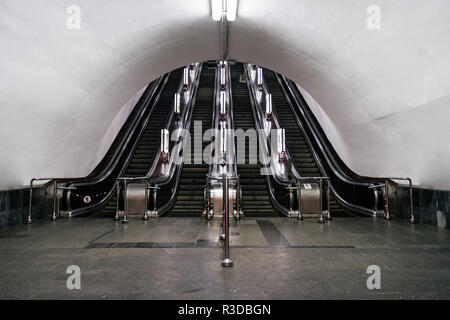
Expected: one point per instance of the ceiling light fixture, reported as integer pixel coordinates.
(228, 8)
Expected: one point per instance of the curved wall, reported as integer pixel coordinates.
(382, 95)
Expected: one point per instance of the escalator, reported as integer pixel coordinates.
(189, 200)
(255, 196)
(295, 141)
(146, 149)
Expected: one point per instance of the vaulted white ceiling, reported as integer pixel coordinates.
(382, 94)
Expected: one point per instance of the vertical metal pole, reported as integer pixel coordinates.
(321, 220)
(386, 202)
(58, 202)
(224, 35)
(227, 262)
(224, 201)
(412, 220)
(328, 200)
(116, 217)
(299, 195)
(31, 200)
(241, 213)
(154, 198)
(125, 203)
(146, 200)
(55, 190)
(238, 198)
(291, 202)
(376, 200)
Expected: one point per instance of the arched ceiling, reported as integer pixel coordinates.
(382, 95)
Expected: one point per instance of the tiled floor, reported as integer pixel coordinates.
(179, 258)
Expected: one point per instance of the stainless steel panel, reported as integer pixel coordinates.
(217, 198)
(136, 198)
(310, 198)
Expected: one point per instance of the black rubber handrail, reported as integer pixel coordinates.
(324, 149)
(136, 127)
(163, 210)
(279, 208)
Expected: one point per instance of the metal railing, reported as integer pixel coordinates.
(146, 106)
(387, 214)
(56, 208)
(124, 182)
(294, 98)
(299, 191)
(225, 232)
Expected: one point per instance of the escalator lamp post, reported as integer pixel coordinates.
(226, 262)
(177, 103)
(281, 145)
(165, 144)
(223, 144)
(222, 76)
(269, 106)
(259, 77)
(223, 107)
(186, 77)
(224, 8)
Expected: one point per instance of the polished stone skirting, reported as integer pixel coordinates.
(14, 205)
(430, 206)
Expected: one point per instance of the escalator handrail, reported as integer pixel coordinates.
(159, 86)
(279, 179)
(100, 204)
(256, 117)
(213, 121)
(324, 148)
(139, 127)
(341, 200)
(169, 122)
(179, 167)
(230, 167)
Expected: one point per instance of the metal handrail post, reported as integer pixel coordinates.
(375, 187)
(55, 191)
(387, 214)
(292, 212)
(125, 202)
(116, 217)
(291, 201)
(321, 219)
(412, 219)
(227, 262)
(376, 201)
(155, 197)
(146, 200)
(58, 202)
(328, 199)
(206, 198)
(154, 188)
(238, 198)
(31, 199)
(299, 196)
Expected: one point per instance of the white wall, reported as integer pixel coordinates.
(384, 94)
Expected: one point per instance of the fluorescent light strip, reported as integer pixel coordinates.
(216, 9)
(231, 9)
(227, 6)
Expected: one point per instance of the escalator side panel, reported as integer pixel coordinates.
(190, 198)
(255, 196)
(145, 151)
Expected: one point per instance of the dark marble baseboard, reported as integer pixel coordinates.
(430, 206)
(14, 205)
